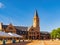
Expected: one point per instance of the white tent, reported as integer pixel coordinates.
(14, 35)
(3, 34)
(17, 35)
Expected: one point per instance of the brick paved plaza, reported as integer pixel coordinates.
(45, 42)
(39, 42)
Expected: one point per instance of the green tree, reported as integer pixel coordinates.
(58, 34)
(55, 33)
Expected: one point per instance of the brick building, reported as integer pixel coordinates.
(32, 32)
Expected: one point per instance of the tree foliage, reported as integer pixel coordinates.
(55, 33)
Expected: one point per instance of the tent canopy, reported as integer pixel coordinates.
(3, 34)
(14, 35)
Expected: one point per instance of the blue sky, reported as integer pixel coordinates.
(21, 13)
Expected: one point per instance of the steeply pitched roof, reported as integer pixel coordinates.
(4, 26)
(44, 32)
(22, 28)
(36, 14)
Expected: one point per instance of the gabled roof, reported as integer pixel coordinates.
(22, 28)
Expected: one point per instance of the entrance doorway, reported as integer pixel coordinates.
(38, 37)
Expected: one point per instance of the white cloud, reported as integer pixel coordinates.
(1, 5)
